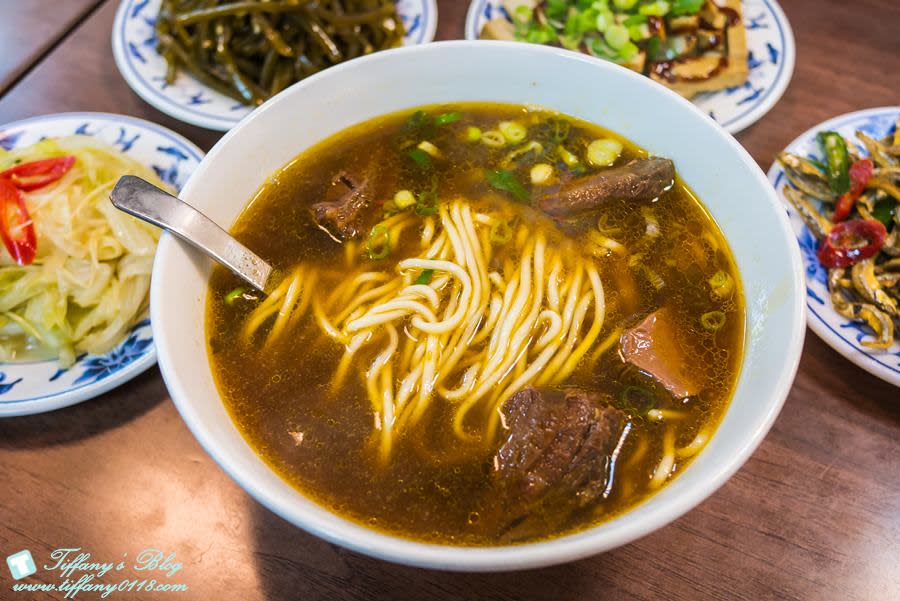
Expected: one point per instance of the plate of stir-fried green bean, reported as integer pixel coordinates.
(841, 183)
(211, 62)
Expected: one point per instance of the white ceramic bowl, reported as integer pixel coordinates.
(724, 176)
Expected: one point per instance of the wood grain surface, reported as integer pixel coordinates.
(28, 29)
(814, 514)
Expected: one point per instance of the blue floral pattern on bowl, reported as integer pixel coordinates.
(842, 334)
(770, 42)
(134, 48)
(33, 387)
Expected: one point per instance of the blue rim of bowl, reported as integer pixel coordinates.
(89, 390)
(761, 105)
(166, 104)
(847, 347)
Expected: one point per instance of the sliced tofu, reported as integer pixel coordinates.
(735, 70)
(498, 29)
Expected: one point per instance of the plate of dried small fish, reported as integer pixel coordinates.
(841, 183)
(210, 64)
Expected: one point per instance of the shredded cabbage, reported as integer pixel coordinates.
(89, 281)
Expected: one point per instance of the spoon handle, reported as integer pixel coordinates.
(143, 200)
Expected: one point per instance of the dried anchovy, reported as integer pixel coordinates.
(870, 290)
(252, 49)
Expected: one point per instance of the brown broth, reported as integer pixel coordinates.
(429, 491)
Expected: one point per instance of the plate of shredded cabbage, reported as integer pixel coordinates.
(74, 271)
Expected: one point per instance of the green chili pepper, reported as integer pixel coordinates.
(837, 160)
(378, 244)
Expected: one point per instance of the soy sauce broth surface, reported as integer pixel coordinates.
(280, 397)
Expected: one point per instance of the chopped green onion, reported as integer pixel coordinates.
(522, 14)
(429, 148)
(378, 244)
(427, 201)
(616, 36)
(567, 157)
(233, 295)
(543, 34)
(604, 20)
(637, 400)
(416, 120)
(541, 174)
(493, 138)
(420, 158)
(448, 118)
(473, 134)
(655, 9)
(712, 321)
(561, 129)
(425, 277)
(628, 51)
(604, 152)
(531, 147)
(639, 33)
(571, 42)
(686, 7)
(513, 131)
(404, 199)
(722, 285)
(635, 20)
(501, 233)
(506, 181)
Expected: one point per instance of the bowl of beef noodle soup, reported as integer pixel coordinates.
(527, 306)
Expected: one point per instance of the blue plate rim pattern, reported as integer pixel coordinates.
(819, 309)
(762, 104)
(105, 380)
(121, 47)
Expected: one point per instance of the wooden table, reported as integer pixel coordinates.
(815, 514)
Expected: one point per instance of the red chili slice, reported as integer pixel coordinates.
(860, 172)
(16, 227)
(37, 174)
(850, 242)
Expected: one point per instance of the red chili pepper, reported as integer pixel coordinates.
(37, 174)
(16, 227)
(850, 242)
(860, 172)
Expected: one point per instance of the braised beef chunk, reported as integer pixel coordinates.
(557, 455)
(342, 213)
(651, 347)
(641, 179)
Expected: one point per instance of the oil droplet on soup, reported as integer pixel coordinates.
(464, 349)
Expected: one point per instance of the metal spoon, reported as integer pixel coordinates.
(142, 199)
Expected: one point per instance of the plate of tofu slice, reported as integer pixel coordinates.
(732, 58)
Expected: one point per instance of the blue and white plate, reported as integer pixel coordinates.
(770, 42)
(840, 333)
(39, 386)
(134, 48)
